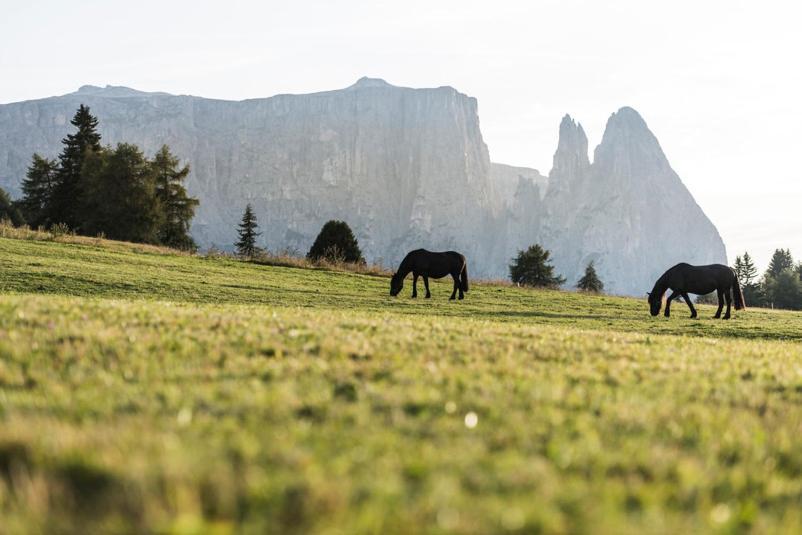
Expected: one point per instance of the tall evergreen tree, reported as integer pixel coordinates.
(67, 199)
(120, 195)
(8, 210)
(177, 207)
(781, 261)
(590, 281)
(336, 242)
(246, 245)
(532, 268)
(37, 190)
(748, 271)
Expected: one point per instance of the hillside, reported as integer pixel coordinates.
(142, 390)
(406, 167)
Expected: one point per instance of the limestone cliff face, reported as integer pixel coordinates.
(406, 168)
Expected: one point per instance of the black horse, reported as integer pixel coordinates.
(423, 263)
(683, 279)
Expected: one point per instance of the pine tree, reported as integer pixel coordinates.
(246, 246)
(532, 268)
(9, 210)
(748, 273)
(177, 207)
(336, 242)
(781, 261)
(37, 190)
(120, 195)
(590, 281)
(67, 200)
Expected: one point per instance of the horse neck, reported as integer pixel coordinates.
(660, 286)
(405, 267)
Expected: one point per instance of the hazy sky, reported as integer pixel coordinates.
(718, 82)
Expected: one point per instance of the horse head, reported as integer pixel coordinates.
(396, 284)
(655, 303)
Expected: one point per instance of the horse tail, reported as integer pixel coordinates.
(738, 295)
(463, 277)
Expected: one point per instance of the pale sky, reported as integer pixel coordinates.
(718, 82)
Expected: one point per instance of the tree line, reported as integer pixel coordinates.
(116, 192)
(779, 287)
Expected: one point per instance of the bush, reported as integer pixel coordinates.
(532, 268)
(336, 243)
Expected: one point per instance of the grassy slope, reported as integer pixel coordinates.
(175, 393)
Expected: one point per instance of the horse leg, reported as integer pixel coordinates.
(729, 304)
(459, 286)
(674, 295)
(414, 285)
(426, 284)
(720, 303)
(687, 299)
(456, 285)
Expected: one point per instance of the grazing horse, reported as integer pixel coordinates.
(423, 263)
(683, 279)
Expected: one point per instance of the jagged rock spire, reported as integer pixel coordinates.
(571, 157)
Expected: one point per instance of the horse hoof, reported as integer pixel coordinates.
(429, 296)
(726, 317)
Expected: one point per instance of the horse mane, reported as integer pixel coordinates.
(660, 287)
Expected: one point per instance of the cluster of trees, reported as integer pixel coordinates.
(532, 267)
(113, 191)
(780, 286)
(335, 242)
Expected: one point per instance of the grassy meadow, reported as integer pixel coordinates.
(147, 391)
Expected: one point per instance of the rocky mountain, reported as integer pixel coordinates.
(628, 211)
(405, 167)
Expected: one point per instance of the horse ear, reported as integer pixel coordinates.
(649, 294)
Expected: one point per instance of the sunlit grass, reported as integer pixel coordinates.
(143, 391)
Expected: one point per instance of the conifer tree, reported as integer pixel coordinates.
(120, 195)
(781, 261)
(336, 242)
(590, 281)
(748, 271)
(532, 268)
(37, 190)
(246, 246)
(66, 204)
(177, 207)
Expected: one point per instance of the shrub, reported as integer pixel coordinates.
(336, 243)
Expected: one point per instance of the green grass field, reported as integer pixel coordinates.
(151, 392)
